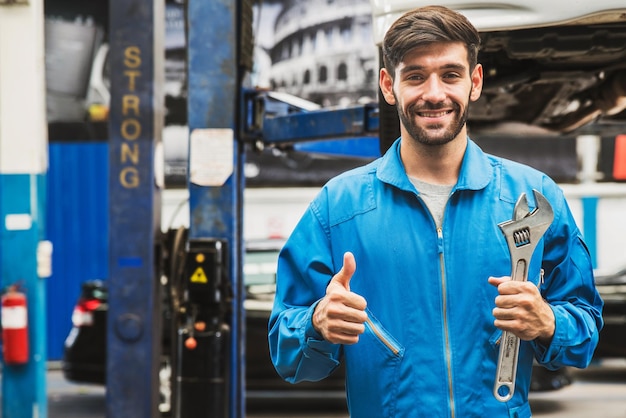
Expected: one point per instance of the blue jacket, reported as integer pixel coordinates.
(430, 347)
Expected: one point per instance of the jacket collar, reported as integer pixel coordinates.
(476, 169)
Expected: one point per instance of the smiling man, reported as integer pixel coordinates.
(440, 85)
(399, 269)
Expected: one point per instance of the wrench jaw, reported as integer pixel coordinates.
(522, 234)
(520, 210)
(524, 231)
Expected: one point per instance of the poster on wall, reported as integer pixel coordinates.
(319, 50)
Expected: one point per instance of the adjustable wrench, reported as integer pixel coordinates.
(522, 234)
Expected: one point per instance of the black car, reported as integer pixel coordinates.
(84, 357)
(85, 347)
(612, 289)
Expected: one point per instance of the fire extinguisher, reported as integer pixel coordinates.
(14, 327)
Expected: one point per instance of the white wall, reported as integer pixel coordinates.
(268, 212)
(610, 220)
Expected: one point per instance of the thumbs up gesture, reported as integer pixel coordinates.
(339, 317)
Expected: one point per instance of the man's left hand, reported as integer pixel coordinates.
(520, 309)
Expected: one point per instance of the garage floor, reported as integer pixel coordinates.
(599, 392)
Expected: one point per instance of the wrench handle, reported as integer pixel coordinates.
(506, 372)
(507, 367)
(520, 270)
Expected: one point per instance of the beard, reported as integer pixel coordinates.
(432, 134)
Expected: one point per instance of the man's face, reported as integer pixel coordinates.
(432, 90)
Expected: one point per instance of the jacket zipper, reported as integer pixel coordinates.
(445, 321)
(382, 338)
(446, 330)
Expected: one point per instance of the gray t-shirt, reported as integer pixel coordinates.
(435, 196)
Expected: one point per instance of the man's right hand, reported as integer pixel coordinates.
(339, 317)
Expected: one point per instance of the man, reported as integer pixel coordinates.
(400, 270)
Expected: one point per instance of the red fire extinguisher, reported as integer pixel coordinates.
(14, 327)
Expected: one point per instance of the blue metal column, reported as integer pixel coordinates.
(134, 317)
(590, 226)
(216, 155)
(23, 166)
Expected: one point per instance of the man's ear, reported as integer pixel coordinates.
(477, 82)
(386, 86)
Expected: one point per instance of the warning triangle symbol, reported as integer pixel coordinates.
(198, 276)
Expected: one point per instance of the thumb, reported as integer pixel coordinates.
(346, 272)
(497, 281)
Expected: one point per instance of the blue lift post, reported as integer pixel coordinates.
(216, 155)
(136, 115)
(217, 45)
(23, 169)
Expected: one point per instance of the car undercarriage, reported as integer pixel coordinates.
(554, 79)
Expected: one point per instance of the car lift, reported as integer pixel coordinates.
(207, 342)
(136, 109)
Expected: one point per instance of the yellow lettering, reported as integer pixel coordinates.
(129, 177)
(130, 102)
(132, 57)
(130, 129)
(132, 75)
(130, 154)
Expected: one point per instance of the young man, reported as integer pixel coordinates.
(399, 268)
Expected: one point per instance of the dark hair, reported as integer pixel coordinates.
(427, 25)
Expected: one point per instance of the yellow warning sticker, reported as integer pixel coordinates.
(199, 276)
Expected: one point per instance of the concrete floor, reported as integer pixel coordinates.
(598, 392)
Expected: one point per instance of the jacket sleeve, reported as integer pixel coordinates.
(569, 288)
(304, 270)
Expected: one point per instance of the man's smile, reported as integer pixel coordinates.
(433, 113)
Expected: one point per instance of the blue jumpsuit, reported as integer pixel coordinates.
(430, 347)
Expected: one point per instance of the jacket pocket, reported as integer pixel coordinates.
(372, 372)
(385, 338)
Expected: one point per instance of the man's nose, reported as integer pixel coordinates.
(434, 89)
